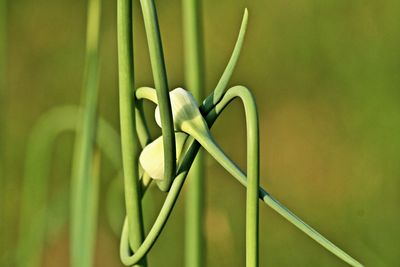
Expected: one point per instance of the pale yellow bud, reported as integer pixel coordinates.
(185, 112)
(152, 156)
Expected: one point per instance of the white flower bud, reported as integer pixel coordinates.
(185, 112)
(152, 156)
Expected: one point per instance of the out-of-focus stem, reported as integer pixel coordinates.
(194, 80)
(84, 187)
(34, 202)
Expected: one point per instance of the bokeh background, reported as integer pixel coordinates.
(326, 78)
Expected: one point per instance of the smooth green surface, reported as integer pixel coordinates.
(240, 91)
(253, 159)
(220, 88)
(194, 81)
(197, 129)
(84, 182)
(161, 84)
(129, 139)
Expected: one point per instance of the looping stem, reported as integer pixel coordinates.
(41, 141)
(230, 95)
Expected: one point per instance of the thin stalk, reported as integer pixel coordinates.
(253, 161)
(161, 84)
(113, 197)
(235, 171)
(83, 186)
(129, 138)
(220, 88)
(127, 259)
(141, 125)
(232, 168)
(194, 79)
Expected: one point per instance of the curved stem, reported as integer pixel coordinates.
(129, 138)
(147, 93)
(194, 146)
(208, 142)
(141, 125)
(125, 253)
(161, 85)
(36, 175)
(266, 197)
(51, 125)
(35, 183)
(113, 198)
(219, 90)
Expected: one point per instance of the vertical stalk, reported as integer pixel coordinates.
(84, 188)
(129, 138)
(194, 80)
(161, 85)
(253, 177)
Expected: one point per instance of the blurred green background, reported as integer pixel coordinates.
(325, 75)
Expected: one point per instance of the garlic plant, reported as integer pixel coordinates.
(185, 129)
(188, 118)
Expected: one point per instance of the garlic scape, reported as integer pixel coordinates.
(188, 119)
(152, 156)
(185, 112)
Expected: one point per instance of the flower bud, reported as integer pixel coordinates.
(185, 112)
(152, 156)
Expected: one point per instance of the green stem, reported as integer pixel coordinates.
(83, 186)
(194, 78)
(264, 195)
(126, 257)
(161, 85)
(141, 125)
(236, 172)
(129, 138)
(252, 179)
(219, 90)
